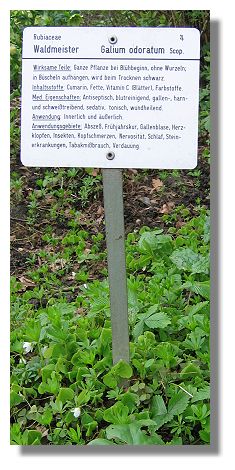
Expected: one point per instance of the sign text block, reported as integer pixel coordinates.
(110, 97)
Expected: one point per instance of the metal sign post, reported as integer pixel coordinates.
(115, 237)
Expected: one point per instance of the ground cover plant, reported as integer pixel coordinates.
(64, 388)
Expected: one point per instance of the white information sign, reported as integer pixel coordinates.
(110, 97)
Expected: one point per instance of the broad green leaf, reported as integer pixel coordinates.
(76, 358)
(148, 241)
(110, 380)
(101, 442)
(205, 436)
(202, 394)
(65, 395)
(153, 309)
(197, 307)
(149, 363)
(138, 329)
(133, 302)
(29, 391)
(117, 414)
(158, 411)
(32, 437)
(46, 417)
(15, 434)
(132, 434)
(166, 351)
(176, 441)
(206, 235)
(158, 320)
(189, 371)
(15, 399)
(32, 331)
(46, 371)
(187, 260)
(178, 403)
(73, 435)
(88, 423)
(129, 399)
(158, 407)
(82, 398)
(194, 340)
(122, 369)
(200, 288)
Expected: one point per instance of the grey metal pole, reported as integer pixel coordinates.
(115, 239)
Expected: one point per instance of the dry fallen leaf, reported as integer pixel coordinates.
(100, 210)
(26, 282)
(80, 311)
(95, 171)
(157, 184)
(145, 200)
(49, 199)
(68, 213)
(166, 208)
(58, 264)
(179, 224)
(43, 430)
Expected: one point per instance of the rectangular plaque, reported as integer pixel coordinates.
(110, 97)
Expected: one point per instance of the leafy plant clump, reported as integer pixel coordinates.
(64, 388)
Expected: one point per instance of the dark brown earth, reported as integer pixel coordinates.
(146, 199)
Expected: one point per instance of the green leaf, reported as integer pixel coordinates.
(148, 241)
(122, 369)
(200, 288)
(138, 329)
(129, 399)
(46, 417)
(65, 395)
(202, 394)
(32, 331)
(158, 320)
(158, 407)
(15, 434)
(101, 442)
(73, 435)
(206, 235)
(83, 397)
(88, 423)
(197, 307)
(32, 437)
(110, 380)
(189, 371)
(205, 435)
(178, 403)
(133, 303)
(158, 411)
(132, 434)
(166, 351)
(176, 441)
(187, 260)
(15, 399)
(149, 363)
(194, 340)
(46, 371)
(117, 414)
